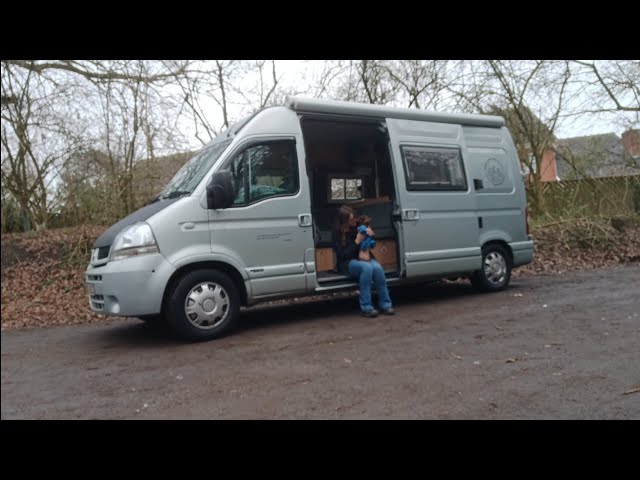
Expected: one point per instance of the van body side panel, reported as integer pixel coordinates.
(182, 230)
(500, 201)
(269, 242)
(439, 227)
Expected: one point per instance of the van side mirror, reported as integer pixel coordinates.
(220, 191)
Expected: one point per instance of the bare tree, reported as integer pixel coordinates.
(126, 134)
(128, 119)
(471, 86)
(531, 96)
(36, 142)
(374, 78)
(333, 72)
(204, 84)
(612, 86)
(134, 112)
(366, 81)
(257, 86)
(267, 86)
(421, 81)
(100, 71)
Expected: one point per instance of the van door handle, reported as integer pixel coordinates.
(410, 214)
(304, 219)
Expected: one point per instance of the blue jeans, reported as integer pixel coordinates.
(367, 273)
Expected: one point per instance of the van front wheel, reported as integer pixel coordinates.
(496, 269)
(203, 305)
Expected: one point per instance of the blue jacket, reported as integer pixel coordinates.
(369, 242)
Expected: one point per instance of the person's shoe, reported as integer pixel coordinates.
(389, 311)
(369, 313)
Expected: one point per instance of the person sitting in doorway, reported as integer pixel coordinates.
(360, 264)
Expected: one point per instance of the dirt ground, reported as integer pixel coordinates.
(550, 347)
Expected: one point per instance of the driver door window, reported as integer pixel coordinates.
(264, 170)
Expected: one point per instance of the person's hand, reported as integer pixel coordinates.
(370, 232)
(359, 238)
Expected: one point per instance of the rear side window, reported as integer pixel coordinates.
(433, 168)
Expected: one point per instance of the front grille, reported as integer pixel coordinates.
(103, 252)
(94, 278)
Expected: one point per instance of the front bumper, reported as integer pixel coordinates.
(129, 288)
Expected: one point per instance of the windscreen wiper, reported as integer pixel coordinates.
(174, 194)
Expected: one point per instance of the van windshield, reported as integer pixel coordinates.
(191, 174)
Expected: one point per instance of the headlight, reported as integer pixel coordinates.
(134, 240)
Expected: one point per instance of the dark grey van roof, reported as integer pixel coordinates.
(302, 104)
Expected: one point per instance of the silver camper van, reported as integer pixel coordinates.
(250, 217)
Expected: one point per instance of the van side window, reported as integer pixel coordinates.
(264, 170)
(433, 168)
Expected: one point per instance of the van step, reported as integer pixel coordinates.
(336, 277)
(332, 278)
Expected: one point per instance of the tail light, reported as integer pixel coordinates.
(526, 218)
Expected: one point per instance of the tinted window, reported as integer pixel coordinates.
(433, 168)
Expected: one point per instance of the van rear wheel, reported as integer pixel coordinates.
(496, 269)
(203, 305)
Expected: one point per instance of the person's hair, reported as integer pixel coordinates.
(363, 220)
(343, 224)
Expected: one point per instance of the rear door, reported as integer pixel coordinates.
(440, 232)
